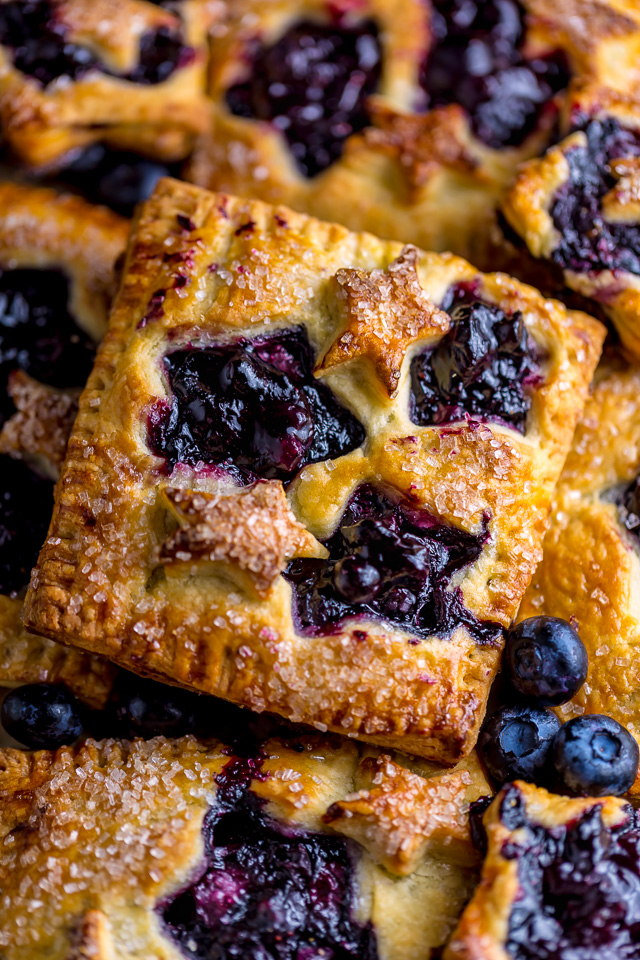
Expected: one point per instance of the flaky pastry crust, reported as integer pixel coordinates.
(45, 125)
(590, 570)
(98, 584)
(94, 839)
(422, 177)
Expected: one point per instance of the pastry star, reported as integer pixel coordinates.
(403, 815)
(386, 311)
(252, 529)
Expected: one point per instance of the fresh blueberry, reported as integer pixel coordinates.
(128, 183)
(545, 660)
(595, 756)
(146, 708)
(515, 743)
(42, 716)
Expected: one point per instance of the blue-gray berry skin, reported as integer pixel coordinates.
(515, 742)
(42, 716)
(595, 756)
(545, 661)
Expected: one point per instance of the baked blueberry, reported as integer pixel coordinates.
(388, 560)
(476, 60)
(26, 504)
(145, 708)
(267, 891)
(312, 85)
(515, 743)
(545, 660)
(42, 716)
(252, 407)
(594, 756)
(484, 368)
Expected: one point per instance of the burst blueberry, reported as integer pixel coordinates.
(545, 661)
(42, 716)
(515, 743)
(594, 756)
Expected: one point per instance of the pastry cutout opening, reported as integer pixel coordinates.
(588, 208)
(485, 368)
(388, 560)
(478, 61)
(42, 50)
(252, 408)
(312, 85)
(267, 889)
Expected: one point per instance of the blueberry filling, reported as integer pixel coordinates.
(252, 407)
(579, 896)
(267, 891)
(628, 502)
(38, 334)
(312, 85)
(476, 60)
(26, 502)
(484, 368)
(41, 48)
(587, 241)
(388, 561)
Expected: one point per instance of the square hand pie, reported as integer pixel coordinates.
(57, 256)
(404, 118)
(578, 207)
(561, 879)
(181, 848)
(311, 470)
(130, 72)
(590, 568)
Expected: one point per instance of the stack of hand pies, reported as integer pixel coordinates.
(320, 480)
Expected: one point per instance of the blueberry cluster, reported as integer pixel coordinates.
(545, 665)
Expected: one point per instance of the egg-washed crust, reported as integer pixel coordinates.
(422, 177)
(44, 125)
(590, 571)
(198, 624)
(527, 206)
(483, 928)
(93, 838)
(40, 228)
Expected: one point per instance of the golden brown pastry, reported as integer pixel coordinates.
(577, 207)
(269, 499)
(57, 256)
(163, 848)
(407, 119)
(128, 72)
(589, 571)
(560, 878)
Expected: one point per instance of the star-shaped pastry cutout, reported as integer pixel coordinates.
(251, 529)
(43, 421)
(386, 311)
(403, 816)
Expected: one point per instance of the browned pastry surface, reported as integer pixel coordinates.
(482, 933)
(39, 228)
(46, 124)
(98, 584)
(425, 178)
(590, 568)
(92, 839)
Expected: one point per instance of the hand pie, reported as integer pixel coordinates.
(407, 119)
(578, 207)
(561, 878)
(311, 470)
(128, 72)
(57, 256)
(175, 848)
(590, 562)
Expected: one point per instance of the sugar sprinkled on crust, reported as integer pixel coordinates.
(43, 421)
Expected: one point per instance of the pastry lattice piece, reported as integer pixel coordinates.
(560, 878)
(277, 492)
(165, 848)
(406, 119)
(577, 208)
(57, 256)
(589, 569)
(128, 72)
